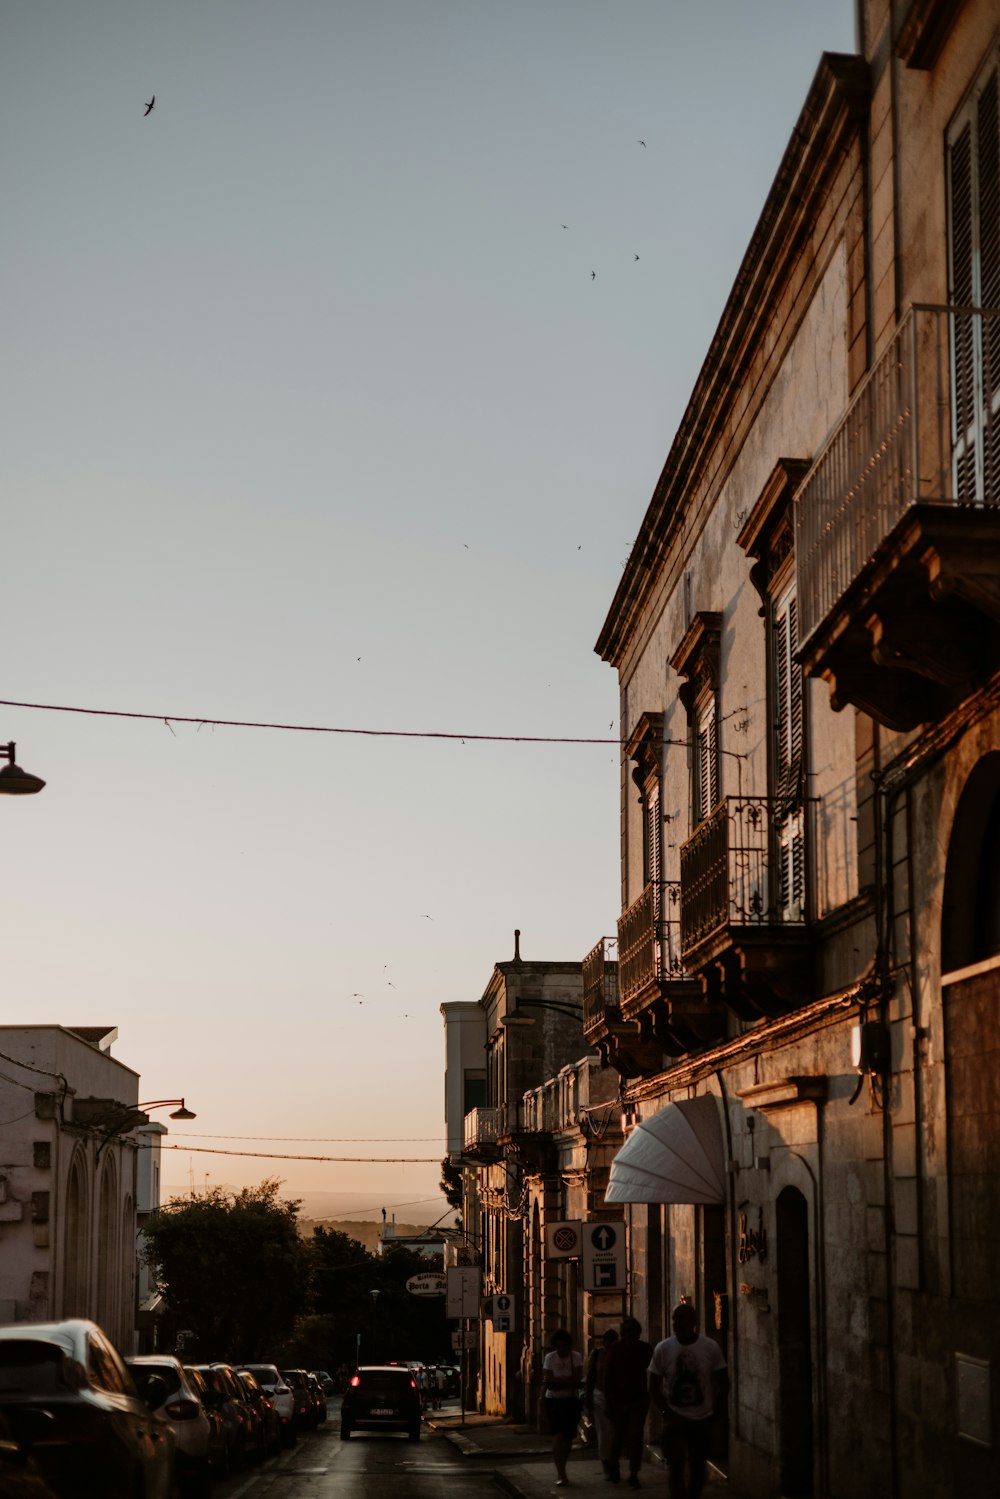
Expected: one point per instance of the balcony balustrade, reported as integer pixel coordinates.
(600, 983)
(897, 525)
(648, 940)
(743, 903)
(482, 1131)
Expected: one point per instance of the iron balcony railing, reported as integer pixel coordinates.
(481, 1128)
(649, 948)
(745, 867)
(924, 425)
(600, 981)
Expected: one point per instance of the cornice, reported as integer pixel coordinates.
(830, 121)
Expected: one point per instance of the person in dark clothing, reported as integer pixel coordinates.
(687, 1385)
(626, 1394)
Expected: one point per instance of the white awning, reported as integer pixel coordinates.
(677, 1155)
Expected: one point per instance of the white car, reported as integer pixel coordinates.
(281, 1396)
(201, 1449)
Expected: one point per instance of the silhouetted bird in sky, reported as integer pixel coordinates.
(635, 257)
(593, 275)
(643, 145)
(149, 106)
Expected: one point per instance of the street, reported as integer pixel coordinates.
(321, 1466)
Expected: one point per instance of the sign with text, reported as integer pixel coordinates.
(563, 1241)
(467, 1339)
(604, 1261)
(465, 1287)
(427, 1285)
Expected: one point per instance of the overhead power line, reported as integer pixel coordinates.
(319, 1139)
(270, 1155)
(304, 728)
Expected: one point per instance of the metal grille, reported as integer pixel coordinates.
(481, 1127)
(922, 427)
(649, 948)
(733, 872)
(600, 981)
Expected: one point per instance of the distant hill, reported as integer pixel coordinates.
(367, 1234)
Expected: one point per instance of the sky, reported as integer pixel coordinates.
(334, 391)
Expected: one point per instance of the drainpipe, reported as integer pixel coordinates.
(734, 1321)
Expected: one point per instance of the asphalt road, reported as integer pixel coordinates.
(371, 1465)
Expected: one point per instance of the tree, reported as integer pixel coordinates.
(451, 1184)
(233, 1267)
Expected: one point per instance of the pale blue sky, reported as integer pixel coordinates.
(303, 368)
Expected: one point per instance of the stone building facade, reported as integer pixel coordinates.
(807, 641)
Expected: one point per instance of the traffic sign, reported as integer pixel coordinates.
(470, 1339)
(503, 1313)
(563, 1241)
(604, 1258)
(465, 1287)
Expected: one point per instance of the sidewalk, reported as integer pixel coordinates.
(520, 1459)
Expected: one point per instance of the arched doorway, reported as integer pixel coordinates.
(795, 1383)
(970, 914)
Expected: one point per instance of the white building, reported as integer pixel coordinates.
(67, 1178)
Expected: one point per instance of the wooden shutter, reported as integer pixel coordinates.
(788, 702)
(706, 762)
(974, 281)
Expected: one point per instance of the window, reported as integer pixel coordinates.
(974, 281)
(705, 761)
(786, 757)
(697, 660)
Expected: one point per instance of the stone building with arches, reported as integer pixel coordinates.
(807, 642)
(68, 1178)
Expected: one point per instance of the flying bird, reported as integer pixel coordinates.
(635, 257)
(643, 145)
(565, 226)
(149, 106)
(593, 275)
(424, 916)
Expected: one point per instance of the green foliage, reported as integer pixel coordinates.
(451, 1184)
(234, 1268)
(238, 1274)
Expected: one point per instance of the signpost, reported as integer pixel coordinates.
(465, 1288)
(563, 1241)
(604, 1265)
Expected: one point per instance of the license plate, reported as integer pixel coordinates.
(383, 1410)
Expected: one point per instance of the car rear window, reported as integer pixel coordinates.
(265, 1374)
(390, 1381)
(142, 1373)
(31, 1368)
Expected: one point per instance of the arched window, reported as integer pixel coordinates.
(970, 916)
(108, 1299)
(76, 1273)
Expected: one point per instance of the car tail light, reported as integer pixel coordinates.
(355, 1380)
(182, 1410)
(413, 1384)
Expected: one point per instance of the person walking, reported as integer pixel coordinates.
(594, 1398)
(562, 1374)
(687, 1382)
(627, 1397)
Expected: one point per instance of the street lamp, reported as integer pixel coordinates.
(13, 780)
(132, 1116)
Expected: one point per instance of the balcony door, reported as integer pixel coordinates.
(789, 833)
(974, 282)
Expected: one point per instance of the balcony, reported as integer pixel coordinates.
(744, 905)
(659, 997)
(522, 1127)
(482, 1134)
(897, 526)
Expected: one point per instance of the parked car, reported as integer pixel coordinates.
(220, 1457)
(226, 1397)
(20, 1475)
(281, 1396)
(381, 1397)
(198, 1431)
(305, 1409)
(327, 1381)
(71, 1405)
(255, 1439)
(318, 1396)
(267, 1416)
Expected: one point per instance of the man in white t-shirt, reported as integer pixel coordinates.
(687, 1382)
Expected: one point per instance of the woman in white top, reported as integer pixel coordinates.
(562, 1375)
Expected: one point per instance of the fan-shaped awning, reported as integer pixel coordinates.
(676, 1155)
